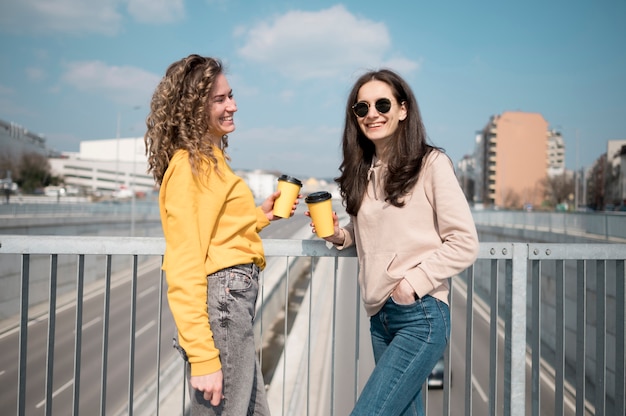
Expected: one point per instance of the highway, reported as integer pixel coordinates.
(146, 330)
(117, 387)
(481, 354)
(89, 390)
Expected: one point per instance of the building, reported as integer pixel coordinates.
(556, 153)
(111, 167)
(622, 178)
(513, 152)
(16, 140)
(466, 172)
(118, 167)
(114, 167)
(605, 182)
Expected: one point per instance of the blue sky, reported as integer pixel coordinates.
(70, 67)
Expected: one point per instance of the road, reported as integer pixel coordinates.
(89, 390)
(117, 387)
(118, 348)
(481, 353)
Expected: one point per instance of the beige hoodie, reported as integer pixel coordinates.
(429, 240)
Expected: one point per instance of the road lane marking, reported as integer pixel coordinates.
(550, 380)
(145, 328)
(481, 308)
(480, 391)
(56, 393)
(116, 282)
(147, 292)
(475, 382)
(9, 332)
(92, 322)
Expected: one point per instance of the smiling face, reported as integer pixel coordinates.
(221, 107)
(379, 127)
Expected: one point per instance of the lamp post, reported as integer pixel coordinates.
(117, 143)
(117, 150)
(133, 190)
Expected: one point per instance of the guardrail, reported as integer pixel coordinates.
(555, 311)
(602, 226)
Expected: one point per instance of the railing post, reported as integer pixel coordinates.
(23, 338)
(515, 339)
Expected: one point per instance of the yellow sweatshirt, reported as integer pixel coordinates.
(209, 224)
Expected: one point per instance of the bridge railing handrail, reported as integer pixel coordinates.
(522, 264)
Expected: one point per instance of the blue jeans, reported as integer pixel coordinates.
(407, 341)
(231, 299)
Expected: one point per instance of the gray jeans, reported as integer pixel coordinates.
(231, 298)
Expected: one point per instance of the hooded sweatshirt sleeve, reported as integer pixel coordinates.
(453, 220)
(184, 263)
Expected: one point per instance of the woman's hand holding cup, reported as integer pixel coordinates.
(268, 206)
(287, 199)
(337, 237)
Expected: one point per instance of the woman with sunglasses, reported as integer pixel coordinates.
(213, 252)
(413, 230)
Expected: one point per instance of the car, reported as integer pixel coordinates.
(435, 379)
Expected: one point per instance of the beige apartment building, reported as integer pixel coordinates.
(513, 160)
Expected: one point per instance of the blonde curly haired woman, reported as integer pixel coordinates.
(213, 251)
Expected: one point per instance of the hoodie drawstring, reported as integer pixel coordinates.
(371, 176)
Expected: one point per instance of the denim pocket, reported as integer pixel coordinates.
(238, 280)
(395, 302)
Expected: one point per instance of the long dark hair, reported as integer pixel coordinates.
(407, 149)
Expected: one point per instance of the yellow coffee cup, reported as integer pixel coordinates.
(321, 209)
(289, 189)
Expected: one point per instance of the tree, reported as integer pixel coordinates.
(33, 172)
(558, 189)
(511, 199)
(7, 164)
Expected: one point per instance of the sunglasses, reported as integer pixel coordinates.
(382, 105)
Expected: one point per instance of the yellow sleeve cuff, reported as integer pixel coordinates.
(206, 367)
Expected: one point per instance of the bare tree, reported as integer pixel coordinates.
(558, 189)
(511, 199)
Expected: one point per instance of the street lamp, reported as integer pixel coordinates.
(133, 189)
(117, 143)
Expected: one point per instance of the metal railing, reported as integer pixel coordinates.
(601, 226)
(536, 328)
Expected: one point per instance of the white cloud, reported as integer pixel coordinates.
(302, 150)
(156, 11)
(63, 16)
(4, 90)
(324, 44)
(221, 4)
(288, 95)
(8, 106)
(242, 86)
(80, 16)
(123, 84)
(401, 65)
(35, 74)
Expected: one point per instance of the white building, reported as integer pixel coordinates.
(119, 166)
(616, 159)
(261, 183)
(556, 153)
(106, 167)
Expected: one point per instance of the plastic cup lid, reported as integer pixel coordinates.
(318, 197)
(290, 179)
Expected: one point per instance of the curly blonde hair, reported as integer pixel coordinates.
(178, 117)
